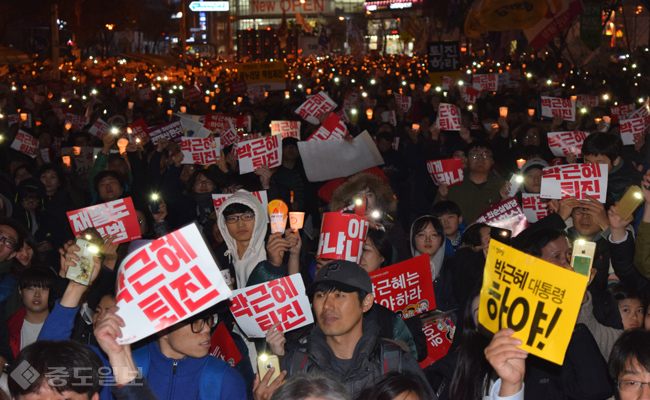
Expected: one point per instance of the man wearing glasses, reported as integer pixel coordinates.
(481, 188)
(629, 365)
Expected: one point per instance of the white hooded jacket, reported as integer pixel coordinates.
(438, 258)
(256, 250)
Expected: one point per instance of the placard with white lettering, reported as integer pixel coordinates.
(443, 56)
(333, 128)
(165, 282)
(172, 131)
(116, 217)
(469, 94)
(447, 172)
(253, 154)
(552, 106)
(440, 334)
(505, 214)
(575, 180)
(342, 236)
(315, 106)
(565, 143)
(284, 300)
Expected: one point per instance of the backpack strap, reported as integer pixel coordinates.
(391, 357)
(212, 378)
(299, 362)
(142, 360)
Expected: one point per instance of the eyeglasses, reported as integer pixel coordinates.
(422, 237)
(232, 219)
(627, 386)
(204, 183)
(9, 243)
(580, 210)
(476, 155)
(199, 324)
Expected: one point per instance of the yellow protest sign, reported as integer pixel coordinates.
(537, 299)
(269, 75)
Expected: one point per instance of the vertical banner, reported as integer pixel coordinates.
(448, 172)
(405, 288)
(165, 282)
(577, 180)
(284, 300)
(116, 217)
(538, 300)
(342, 237)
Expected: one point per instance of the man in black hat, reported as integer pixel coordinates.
(343, 343)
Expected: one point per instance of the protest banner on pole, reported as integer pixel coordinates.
(448, 172)
(538, 300)
(116, 217)
(578, 180)
(165, 282)
(255, 153)
(552, 106)
(315, 106)
(505, 214)
(286, 129)
(440, 335)
(200, 151)
(219, 199)
(223, 346)
(564, 143)
(172, 131)
(405, 288)
(332, 128)
(25, 143)
(448, 117)
(342, 236)
(284, 300)
(534, 207)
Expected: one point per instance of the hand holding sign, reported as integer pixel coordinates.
(508, 361)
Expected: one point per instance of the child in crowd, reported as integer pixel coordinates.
(630, 305)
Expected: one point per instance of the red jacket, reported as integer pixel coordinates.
(15, 324)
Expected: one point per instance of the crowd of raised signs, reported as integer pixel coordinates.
(435, 188)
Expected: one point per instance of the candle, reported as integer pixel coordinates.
(369, 113)
(607, 119)
(520, 163)
(531, 112)
(183, 109)
(503, 111)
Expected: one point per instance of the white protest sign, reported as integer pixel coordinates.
(564, 143)
(489, 82)
(577, 180)
(253, 154)
(286, 129)
(193, 128)
(534, 207)
(165, 282)
(315, 106)
(329, 159)
(200, 151)
(448, 117)
(632, 130)
(403, 102)
(552, 106)
(99, 128)
(25, 143)
(284, 300)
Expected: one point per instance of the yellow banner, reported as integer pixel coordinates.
(269, 75)
(539, 300)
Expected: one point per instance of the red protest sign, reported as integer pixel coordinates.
(505, 214)
(145, 94)
(342, 236)
(406, 288)
(440, 335)
(448, 117)
(253, 154)
(139, 130)
(286, 129)
(534, 207)
(257, 307)
(314, 107)
(113, 218)
(564, 143)
(552, 106)
(333, 128)
(25, 143)
(578, 180)
(170, 131)
(237, 87)
(222, 346)
(219, 199)
(78, 121)
(200, 151)
(165, 282)
(219, 122)
(192, 93)
(448, 172)
(489, 82)
(469, 94)
(403, 102)
(620, 112)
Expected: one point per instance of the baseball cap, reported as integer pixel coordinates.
(345, 276)
(533, 163)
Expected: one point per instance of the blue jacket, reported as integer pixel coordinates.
(168, 378)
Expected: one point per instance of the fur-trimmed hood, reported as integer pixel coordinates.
(344, 194)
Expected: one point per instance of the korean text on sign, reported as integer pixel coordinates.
(534, 207)
(448, 117)
(170, 131)
(219, 199)
(443, 56)
(469, 94)
(99, 128)
(620, 112)
(256, 308)
(255, 153)
(405, 288)
(440, 335)
(577, 180)
(342, 236)
(315, 106)
(585, 100)
(286, 129)
(201, 151)
(116, 217)
(538, 300)
(505, 214)
(333, 128)
(25, 143)
(448, 172)
(167, 281)
(552, 106)
(489, 82)
(403, 102)
(632, 130)
(564, 143)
